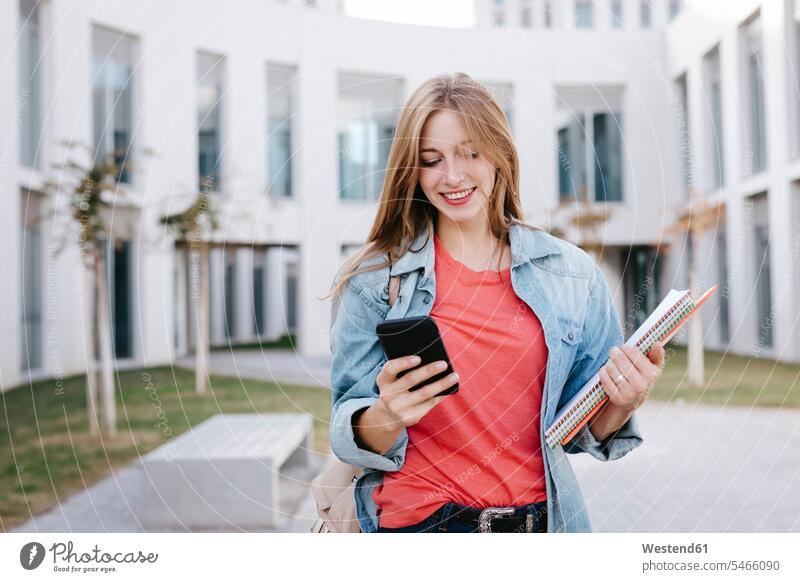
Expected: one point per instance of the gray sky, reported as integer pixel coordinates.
(450, 13)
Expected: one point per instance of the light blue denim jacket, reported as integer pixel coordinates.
(571, 298)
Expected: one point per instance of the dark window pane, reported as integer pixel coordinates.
(31, 299)
(763, 287)
(122, 306)
(230, 299)
(209, 135)
(258, 301)
(608, 158)
(722, 275)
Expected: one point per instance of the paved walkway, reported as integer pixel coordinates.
(701, 469)
(273, 365)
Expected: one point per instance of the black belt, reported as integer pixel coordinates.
(526, 519)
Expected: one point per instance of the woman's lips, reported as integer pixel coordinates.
(459, 201)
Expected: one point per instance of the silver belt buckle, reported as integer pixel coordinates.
(486, 516)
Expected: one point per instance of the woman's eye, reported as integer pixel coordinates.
(430, 163)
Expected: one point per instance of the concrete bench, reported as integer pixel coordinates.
(224, 473)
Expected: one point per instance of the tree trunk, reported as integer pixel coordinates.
(201, 343)
(106, 358)
(91, 374)
(696, 370)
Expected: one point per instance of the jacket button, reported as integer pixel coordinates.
(571, 336)
(427, 299)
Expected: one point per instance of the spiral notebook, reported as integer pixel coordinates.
(665, 321)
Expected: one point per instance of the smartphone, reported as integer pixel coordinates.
(416, 336)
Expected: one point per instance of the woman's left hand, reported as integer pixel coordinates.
(635, 372)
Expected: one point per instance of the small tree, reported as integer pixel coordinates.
(694, 221)
(85, 204)
(586, 218)
(194, 226)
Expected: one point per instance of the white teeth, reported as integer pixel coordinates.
(458, 195)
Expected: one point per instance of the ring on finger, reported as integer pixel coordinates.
(614, 373)
(624, 369)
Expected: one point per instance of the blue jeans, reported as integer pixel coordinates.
(446, 520)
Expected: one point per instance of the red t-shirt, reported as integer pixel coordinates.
(479, 447)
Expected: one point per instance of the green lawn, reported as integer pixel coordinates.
(46, 452)
(731, 380)
(288, 341)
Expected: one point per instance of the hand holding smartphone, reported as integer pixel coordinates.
(416, 336)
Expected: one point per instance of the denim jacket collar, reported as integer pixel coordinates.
(526, 244)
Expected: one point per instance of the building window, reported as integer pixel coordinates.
(367, 113)
(113, 56)
(793, 75)
(689, 243)
(591, 139)
(29, 84)
(755, 135)
(118, 258)
(584, 16)
(280, 89)
(616, 13)
(722, 276)
(646, 13)
(794, 219)
(763, 288)
(210, 80)
(230, 294)
(178, 293)
(572, 159)
(762, 270)
(291, 297)
(525, 14)
(566, 187)
(259, 273)
(31, 279)
(608, 157)
(674, 8)
(640, 280)
(716, 143)
(684, 135)
(123, 300)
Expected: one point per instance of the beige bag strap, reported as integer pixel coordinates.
(334, 495)
(333, 489)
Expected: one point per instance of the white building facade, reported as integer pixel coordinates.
(288, 109)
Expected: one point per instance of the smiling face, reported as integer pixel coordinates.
(456, 179)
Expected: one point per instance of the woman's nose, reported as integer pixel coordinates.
(454, 174)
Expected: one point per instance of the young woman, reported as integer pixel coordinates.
(526, 319)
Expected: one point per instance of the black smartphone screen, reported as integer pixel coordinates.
(415, 336)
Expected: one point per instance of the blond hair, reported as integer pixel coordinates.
(404, 211)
